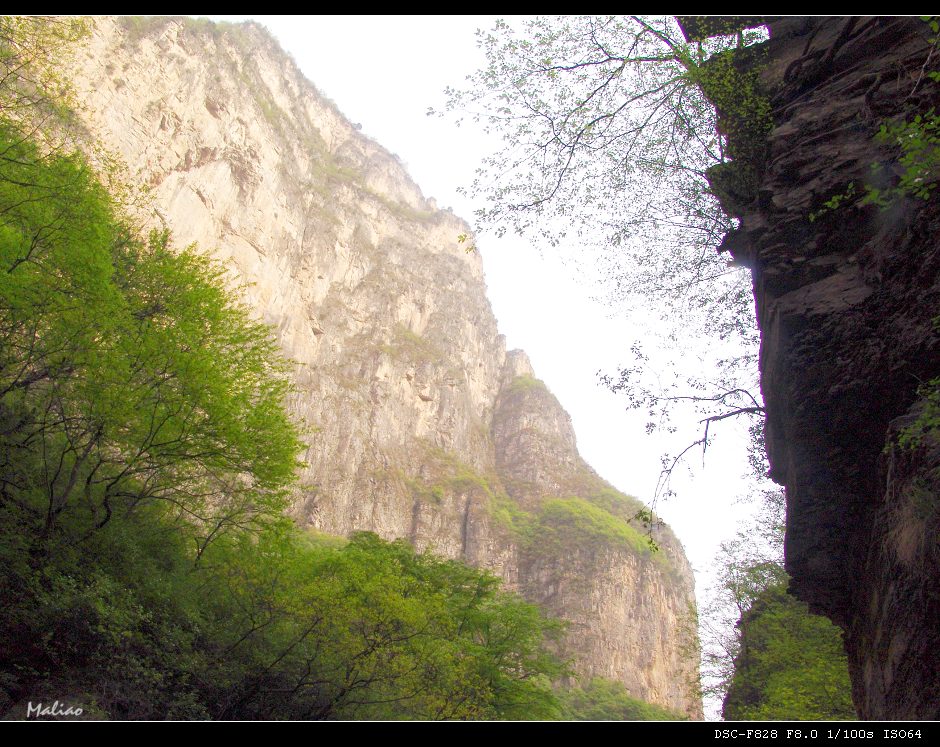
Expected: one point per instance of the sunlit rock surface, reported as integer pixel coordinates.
(419, 423)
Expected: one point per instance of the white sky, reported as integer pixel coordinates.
(384, 72)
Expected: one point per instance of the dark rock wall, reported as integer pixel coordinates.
(846, 303)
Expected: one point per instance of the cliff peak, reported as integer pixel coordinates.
(517, 364)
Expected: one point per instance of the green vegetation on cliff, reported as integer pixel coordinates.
(602, 519)
(605, 700)
(575, 522)
(791, 664)
(525, 383)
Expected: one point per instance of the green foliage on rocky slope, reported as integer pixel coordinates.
(791, 664)
(603, 518)
(524, 383)
(569, 523)
(604, 700)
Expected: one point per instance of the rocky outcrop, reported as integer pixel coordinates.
(419, 423)
(847, 299)
(580, 555)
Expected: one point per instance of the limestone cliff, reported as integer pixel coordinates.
(420, 425)
(847, 300)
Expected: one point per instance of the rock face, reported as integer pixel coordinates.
(847, 301)
(420, 424)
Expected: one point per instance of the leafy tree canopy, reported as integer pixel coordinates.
(605, 700)
(791, 664)
(35, 95)
(128, 372)
(608, 134)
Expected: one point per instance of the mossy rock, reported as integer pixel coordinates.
(525, 383)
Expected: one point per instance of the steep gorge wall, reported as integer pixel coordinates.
(847, 302)
(420, 424)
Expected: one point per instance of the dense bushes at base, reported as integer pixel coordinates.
(605, 700)
(266, 625)
(791, 664)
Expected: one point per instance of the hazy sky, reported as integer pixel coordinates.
(384, 72)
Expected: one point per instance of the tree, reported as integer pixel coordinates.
(373, 630)
(745, 567)
(609, 134)
(764, 655)
(35, 96)
(634, 144)
(128, 373)
(141, 419)
(271, 624)
(791, 664)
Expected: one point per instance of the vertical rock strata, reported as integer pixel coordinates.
(847, 301)
(420, 424)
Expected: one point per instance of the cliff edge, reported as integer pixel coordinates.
(848, 297)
